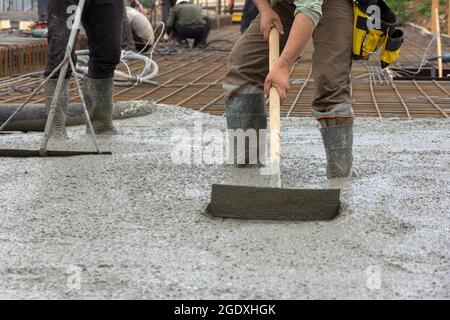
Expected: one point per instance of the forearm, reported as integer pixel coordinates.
(301, 32)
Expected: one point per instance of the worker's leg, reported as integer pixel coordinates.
(165, 10)
(243, 84)
(166, 6)
(58, 34)
(103, 24)
(59, 126)
(332, 106)
(179, 33)
(249, 13)
(200, 34)
(58, 37)
(128, 43)
(43, 10)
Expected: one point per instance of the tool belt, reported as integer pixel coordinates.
(368, 39)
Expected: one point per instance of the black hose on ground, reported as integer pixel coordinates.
(209, 46)
(34, 116)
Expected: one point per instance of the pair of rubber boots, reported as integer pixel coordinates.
(98, 94)
(247, 111)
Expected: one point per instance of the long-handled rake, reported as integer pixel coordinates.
(62, 68)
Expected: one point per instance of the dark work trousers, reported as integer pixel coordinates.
(42, 10)
(102, 20)
(249, 13)
(166, 6)
(198, 33)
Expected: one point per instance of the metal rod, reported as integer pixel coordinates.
(373, 92)
(209, 85)
(52, 112)
(429, 99)
(394, 86)
(438, 42)
(62, 75)
(31, 96)
(441, 87)
(174, 78)
(187, 85)
(86, 113)
(303, 87)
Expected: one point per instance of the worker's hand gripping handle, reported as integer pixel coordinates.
(274, 102)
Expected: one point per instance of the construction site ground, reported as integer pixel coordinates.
(193, 79)
(133, 225)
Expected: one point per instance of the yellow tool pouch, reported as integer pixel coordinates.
(391, 48)
(373, 33)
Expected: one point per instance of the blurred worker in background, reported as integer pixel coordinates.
(249, 13)
(128, 42)
(102, 20)
(138, 33)
(141, 29)
(229, 6)
(136, 4)
(187, 22)
(167, 5)
(42, 15)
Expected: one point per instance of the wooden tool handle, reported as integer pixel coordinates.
(274, 102)
(438, 41)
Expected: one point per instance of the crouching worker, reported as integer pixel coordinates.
(102, 20)
(141, 30)
(187, 22)
(330, 24)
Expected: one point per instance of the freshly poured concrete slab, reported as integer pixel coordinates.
(132, 225)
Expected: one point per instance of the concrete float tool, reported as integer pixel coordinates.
(62, 68)
(274, 202)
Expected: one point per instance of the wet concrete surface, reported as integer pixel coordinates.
(132, 225)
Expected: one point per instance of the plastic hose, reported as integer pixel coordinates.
(149, 71)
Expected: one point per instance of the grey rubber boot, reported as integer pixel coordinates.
(98, 94)
(59, 126)
(338, 142)
(247, 111)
